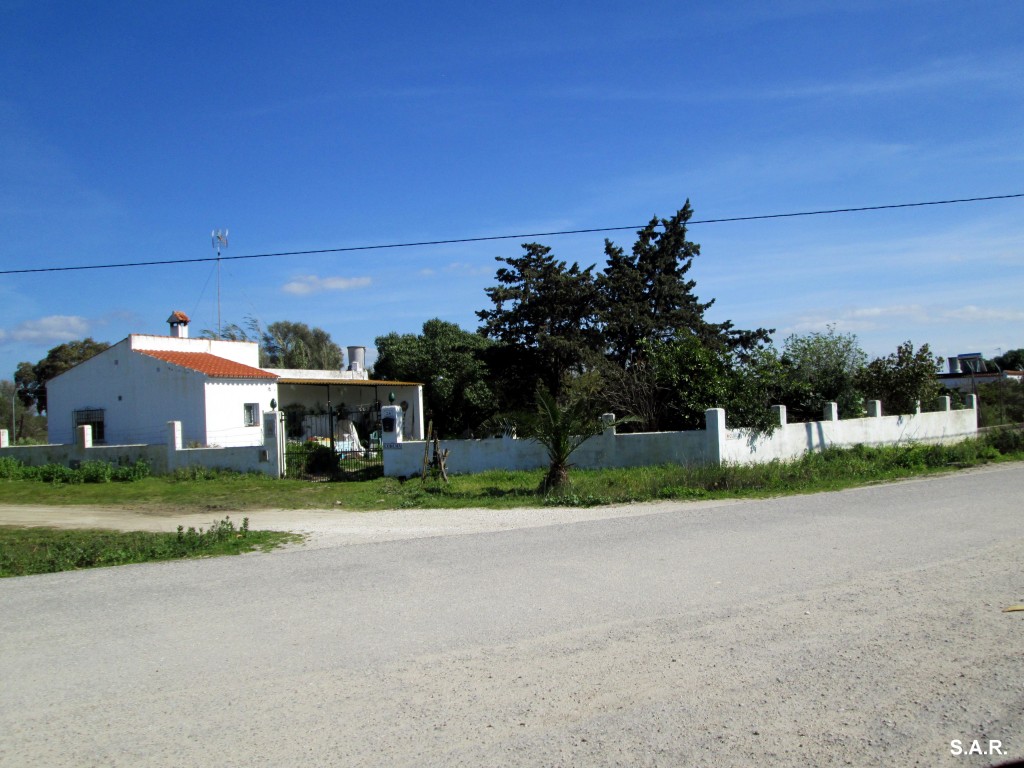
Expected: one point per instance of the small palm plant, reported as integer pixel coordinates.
(560, 427)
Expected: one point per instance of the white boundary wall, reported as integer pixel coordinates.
(790, 441)
(163, 459)
(715, 444)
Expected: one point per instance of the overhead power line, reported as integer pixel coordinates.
(454, 241)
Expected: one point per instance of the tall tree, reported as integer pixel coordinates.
(1011, 360)
(235, 332)
(544, 321)
(647, 296)
(295, 345)
(449, 362)
(31, 379)
(21, 422)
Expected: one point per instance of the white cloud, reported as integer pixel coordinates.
(897, 310)
(47, 329)
(972, 314)
(866, 319)
(306, 284)
(942, 74)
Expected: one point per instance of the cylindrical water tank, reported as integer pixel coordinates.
(356, 358)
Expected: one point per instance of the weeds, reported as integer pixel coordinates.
(188, 474)
(1006, 440)
(26, 551)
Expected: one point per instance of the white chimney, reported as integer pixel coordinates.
(179, 324)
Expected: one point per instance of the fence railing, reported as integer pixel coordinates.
(315, 461)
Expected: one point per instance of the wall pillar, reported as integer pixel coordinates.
(779, 412)
(608, 441)
(874, 409)
(4, 440)
(83, 437)
(830, 412)
(390, 433)
(272, 444)
(714, 424)
(173, 444)
(391, 426)
(944, 403)
(972, 404)
(419, 429)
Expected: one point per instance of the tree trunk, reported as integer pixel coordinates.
(556, 478)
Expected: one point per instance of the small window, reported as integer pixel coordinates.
(252, 414)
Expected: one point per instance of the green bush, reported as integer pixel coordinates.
(58, 474)
(96, 472)
(1008, 440)
(10, 468)
(129, 473)
(321, 460)
(88, 472)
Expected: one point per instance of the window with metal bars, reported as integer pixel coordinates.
(92, 417)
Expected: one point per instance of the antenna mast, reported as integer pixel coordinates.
(220, 240)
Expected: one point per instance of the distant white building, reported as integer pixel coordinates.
(969, 371)
(217, 391)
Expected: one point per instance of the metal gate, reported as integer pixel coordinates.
(335, 445)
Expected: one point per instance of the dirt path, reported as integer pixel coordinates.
(331, 527)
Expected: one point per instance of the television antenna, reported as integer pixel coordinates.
(219, 239)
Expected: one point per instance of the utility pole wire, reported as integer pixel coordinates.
(455, 241)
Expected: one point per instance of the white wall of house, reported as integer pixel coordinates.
(313, 373)
(139, 394)
(226, 413)
(244, 352)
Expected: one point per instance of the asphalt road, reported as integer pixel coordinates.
(857, 628)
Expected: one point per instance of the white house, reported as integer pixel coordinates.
(217, 391)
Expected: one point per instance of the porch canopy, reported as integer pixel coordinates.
(331, 404)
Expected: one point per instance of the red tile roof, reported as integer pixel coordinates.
(211, 365)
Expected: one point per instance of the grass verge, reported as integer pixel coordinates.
(27, 551)
(832, 469)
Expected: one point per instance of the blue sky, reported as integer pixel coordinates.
(128, 131)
